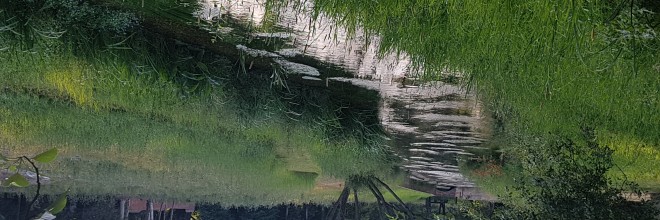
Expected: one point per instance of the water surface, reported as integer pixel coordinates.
(151, 121)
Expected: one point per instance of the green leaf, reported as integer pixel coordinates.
(12, 168)
(58, 205)
(47, 156)
(3, 158)
(16, 180)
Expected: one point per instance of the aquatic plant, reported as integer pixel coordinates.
(17, 166)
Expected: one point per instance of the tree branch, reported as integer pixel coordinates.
(34, 199)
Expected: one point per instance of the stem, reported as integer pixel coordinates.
(34, 199)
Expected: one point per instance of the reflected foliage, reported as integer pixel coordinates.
(135, 105)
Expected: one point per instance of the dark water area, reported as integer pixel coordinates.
(223, 109)
(133, 208)
(103, 208)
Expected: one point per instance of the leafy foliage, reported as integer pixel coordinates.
(566, 179)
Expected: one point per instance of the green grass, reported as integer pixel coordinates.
(635, 161)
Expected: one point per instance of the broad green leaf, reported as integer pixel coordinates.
(58, 205)
(12, 168)
(16, 180)
(47, 156)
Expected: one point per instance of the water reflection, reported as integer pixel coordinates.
(103, 208)
(432, 125)
(317, 36)
(165, 120)
(169, 120)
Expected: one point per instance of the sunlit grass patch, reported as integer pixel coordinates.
(73, 83)
(636, 161)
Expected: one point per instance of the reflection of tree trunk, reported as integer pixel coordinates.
(172, 211)
(162, 212)
(72, 206)
(128, 210)
(357, 204)
(18, 210)
(150, 209)
(122, 209)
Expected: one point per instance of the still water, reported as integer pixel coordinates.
(282, 143)
(431, 125)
